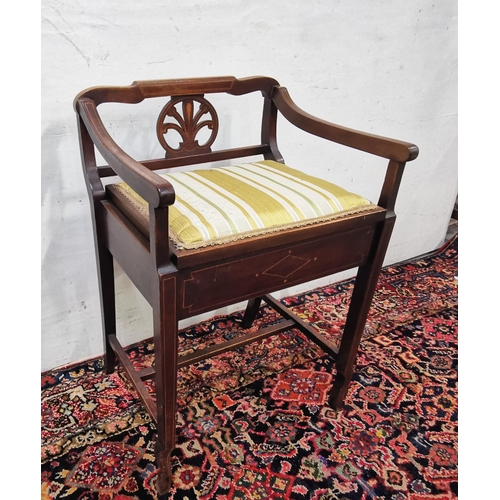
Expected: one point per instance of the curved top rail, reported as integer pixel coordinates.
(140, 90)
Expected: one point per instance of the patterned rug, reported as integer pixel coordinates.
(246, 431)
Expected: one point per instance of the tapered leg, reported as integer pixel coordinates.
(364, 288)
(165, 340)
(104, 258)
(106, 277)
(251, 312)
(108, 307)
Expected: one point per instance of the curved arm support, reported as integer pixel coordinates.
(157, 191)
(94, 184)
(381, 146)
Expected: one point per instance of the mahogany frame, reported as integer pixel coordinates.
(180, 283)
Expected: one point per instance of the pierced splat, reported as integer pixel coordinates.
(188, 125)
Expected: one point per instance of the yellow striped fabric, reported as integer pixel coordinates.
(228, 203)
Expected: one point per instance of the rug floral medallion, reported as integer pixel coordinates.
(255, 423)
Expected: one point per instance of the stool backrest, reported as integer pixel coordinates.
(189, 112)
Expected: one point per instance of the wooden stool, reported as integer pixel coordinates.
(195, 241)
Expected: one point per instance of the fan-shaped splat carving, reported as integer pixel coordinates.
(187, 115)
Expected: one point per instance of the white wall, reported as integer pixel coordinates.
(387, 67)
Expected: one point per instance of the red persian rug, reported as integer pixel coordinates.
(248, 431)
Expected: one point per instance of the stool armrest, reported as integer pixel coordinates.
(381, 146)
(156, 190)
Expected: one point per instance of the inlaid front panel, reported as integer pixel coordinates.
(219, 285)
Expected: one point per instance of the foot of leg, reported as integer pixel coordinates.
(338, 391)
(109, 359)
(163, 462)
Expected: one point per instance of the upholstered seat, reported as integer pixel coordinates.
(219, 205)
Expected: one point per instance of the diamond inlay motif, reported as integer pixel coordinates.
(286, 266)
